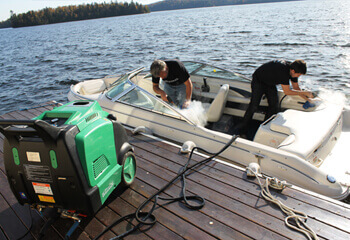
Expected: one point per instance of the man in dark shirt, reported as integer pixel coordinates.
(265, 79)
(178, 85)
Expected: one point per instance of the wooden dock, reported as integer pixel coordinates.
(234, 208)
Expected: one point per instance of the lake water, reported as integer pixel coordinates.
(40, 63)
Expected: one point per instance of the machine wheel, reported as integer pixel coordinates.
(129, 169)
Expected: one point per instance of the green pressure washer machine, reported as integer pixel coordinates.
(70, 158)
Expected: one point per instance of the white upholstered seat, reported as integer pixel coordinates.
(217, 107)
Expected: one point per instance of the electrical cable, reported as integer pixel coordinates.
(31, 224)
(147, 218)
(48, 224)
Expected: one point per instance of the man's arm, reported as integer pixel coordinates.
(189, 87)
(306, 95)
(156, 89)
(295, 86)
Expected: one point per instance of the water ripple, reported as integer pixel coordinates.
(40, 63)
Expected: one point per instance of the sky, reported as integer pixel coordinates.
(23, 6)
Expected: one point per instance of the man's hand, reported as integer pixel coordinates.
(163, 96)
(159, 91)
(306, 95)
(309, 94)
(186, 103)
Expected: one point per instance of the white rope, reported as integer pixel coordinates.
(299, 217)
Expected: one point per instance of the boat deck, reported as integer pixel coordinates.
(234, 208)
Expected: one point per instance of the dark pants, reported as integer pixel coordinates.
(258, 90)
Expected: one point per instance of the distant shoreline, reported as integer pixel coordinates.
(93, 11)
(73, 13)
(170, 5)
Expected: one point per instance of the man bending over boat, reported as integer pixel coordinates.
(265, 80)
(178, 85)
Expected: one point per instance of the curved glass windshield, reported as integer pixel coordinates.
(192, 66)
(211, 71)
(139, 98)
(120, 86)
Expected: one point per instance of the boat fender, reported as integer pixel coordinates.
(187, 147)
(142, 129)
(253, 169)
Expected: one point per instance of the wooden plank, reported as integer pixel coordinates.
(248, 198)
(26, 115)
(2, 234)
(107, 216)
(339, 208)
(80, 235)
(2, 162)
(11, 199)
(31, 112)
(15, 115)
(94, 227)
(2, 137)
(35, 112)
(334, 207)
(326, 230)
(6, 116)
(168, 218)
(234, 206)
(38, 222)
(63, 225)
(237, 219)
(44, 107)
(10, 223)
(158, 231)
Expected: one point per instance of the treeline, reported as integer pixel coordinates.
(75, 13)
(5, 24)
(183, 4)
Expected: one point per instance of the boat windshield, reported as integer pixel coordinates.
(210, 71)
(121, 85)
(141, 98)
(192, 66)
(195, 68)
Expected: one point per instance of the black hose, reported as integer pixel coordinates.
(31, 224)
(147, 218)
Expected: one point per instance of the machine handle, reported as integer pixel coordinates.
(34, 127)
(7, 122)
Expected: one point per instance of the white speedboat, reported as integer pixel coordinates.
(306, 148)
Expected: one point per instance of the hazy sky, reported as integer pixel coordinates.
(22, 6)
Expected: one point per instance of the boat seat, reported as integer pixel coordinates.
(217, 107)
(92, 87)
(298, 132)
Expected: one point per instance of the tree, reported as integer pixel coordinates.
(74, 13)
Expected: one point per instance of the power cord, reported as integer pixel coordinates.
(147, 218)
(31, 224)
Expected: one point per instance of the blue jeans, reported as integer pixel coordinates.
(176, 93)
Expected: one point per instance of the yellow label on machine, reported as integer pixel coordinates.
(46, 199)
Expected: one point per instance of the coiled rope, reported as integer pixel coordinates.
(299, 217)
